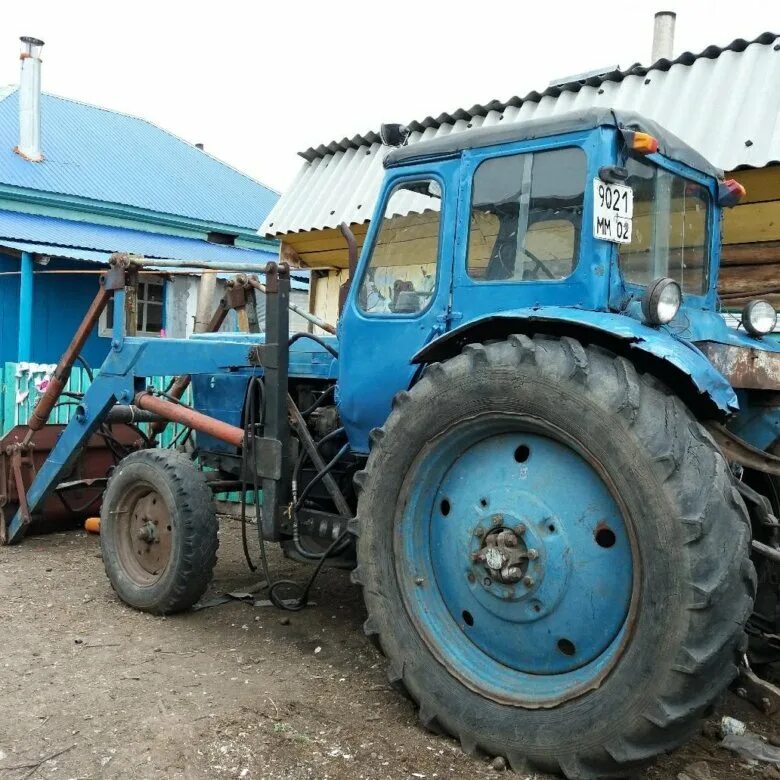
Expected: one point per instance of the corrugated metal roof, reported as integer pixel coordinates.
(55, 232)
(55, 238)
(89, 255)
(723, 101)
(103, 155)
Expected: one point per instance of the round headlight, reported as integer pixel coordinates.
(759, 318)
(662, 301)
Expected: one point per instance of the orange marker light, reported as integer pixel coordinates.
(644, 143)
(730, 192)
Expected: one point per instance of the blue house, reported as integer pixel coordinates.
(79, 182)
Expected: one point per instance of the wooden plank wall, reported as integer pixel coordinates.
(750, 255)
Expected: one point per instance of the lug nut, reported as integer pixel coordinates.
(479, 531)
(520, 529)
(533, 553)
(528, 581)
(497, 519)
(487, 582)
(419, 580)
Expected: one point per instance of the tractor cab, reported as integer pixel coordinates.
(597, 221)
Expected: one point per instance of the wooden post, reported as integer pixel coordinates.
(207, 287)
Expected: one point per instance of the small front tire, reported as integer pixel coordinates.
(158, 531)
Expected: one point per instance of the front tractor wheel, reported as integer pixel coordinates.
(553, 557)
(158, 531)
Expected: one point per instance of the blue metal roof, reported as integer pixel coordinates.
(299, 280)
(91, 152)
(87, 241)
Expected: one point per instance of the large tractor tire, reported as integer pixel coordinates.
(158, 531)
(553, 557)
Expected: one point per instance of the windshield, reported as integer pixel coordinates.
(669, 233)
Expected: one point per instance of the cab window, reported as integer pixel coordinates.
(526, 216)
(401, 276)
(669, 233)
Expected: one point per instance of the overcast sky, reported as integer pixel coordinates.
(257, 82)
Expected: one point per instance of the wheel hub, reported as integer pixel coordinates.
(148, 537)
(504, 554)
(528, 551)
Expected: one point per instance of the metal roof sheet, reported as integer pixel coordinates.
(724, 102)
(56, 232)
(103, 155)
(178, 249)
(89, 255)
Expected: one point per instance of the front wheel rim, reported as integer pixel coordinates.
(515, 560)
(144, 534)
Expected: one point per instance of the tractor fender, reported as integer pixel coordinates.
(658, 351)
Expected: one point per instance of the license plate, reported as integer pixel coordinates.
(613, 210)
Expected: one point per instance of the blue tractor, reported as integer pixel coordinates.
(545, 454)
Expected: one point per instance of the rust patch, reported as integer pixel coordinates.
(744, 367)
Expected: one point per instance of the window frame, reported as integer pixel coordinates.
(706, 298)
(576, 249)
(107, 331)
(365, 265)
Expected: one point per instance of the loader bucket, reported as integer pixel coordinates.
(78, 495)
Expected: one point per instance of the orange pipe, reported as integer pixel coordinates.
(181, 413)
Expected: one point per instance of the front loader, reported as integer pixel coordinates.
(550, 463)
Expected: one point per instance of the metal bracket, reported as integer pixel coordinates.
(268, 458)
(114, 278)
(761, 503)
(20, 459)
(264, 356)
(739, 451)
(762, 694)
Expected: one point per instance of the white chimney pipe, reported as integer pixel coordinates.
(30, 100)
(663, 36)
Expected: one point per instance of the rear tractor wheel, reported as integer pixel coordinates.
(553, 557)
(158, 531)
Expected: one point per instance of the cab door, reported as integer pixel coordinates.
(400, 297)
(525, 227)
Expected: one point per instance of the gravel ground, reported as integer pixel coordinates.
(93, 689)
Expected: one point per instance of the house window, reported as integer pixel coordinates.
(151, 309)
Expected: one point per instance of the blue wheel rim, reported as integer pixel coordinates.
(515, 560)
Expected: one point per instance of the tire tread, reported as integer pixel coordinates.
(713, 518)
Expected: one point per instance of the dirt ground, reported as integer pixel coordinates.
(98, 690)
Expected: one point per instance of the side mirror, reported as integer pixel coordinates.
(393, 134)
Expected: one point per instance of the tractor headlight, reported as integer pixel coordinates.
(661, 301)
(759, 318)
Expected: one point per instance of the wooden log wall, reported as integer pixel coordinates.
(750, 254)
